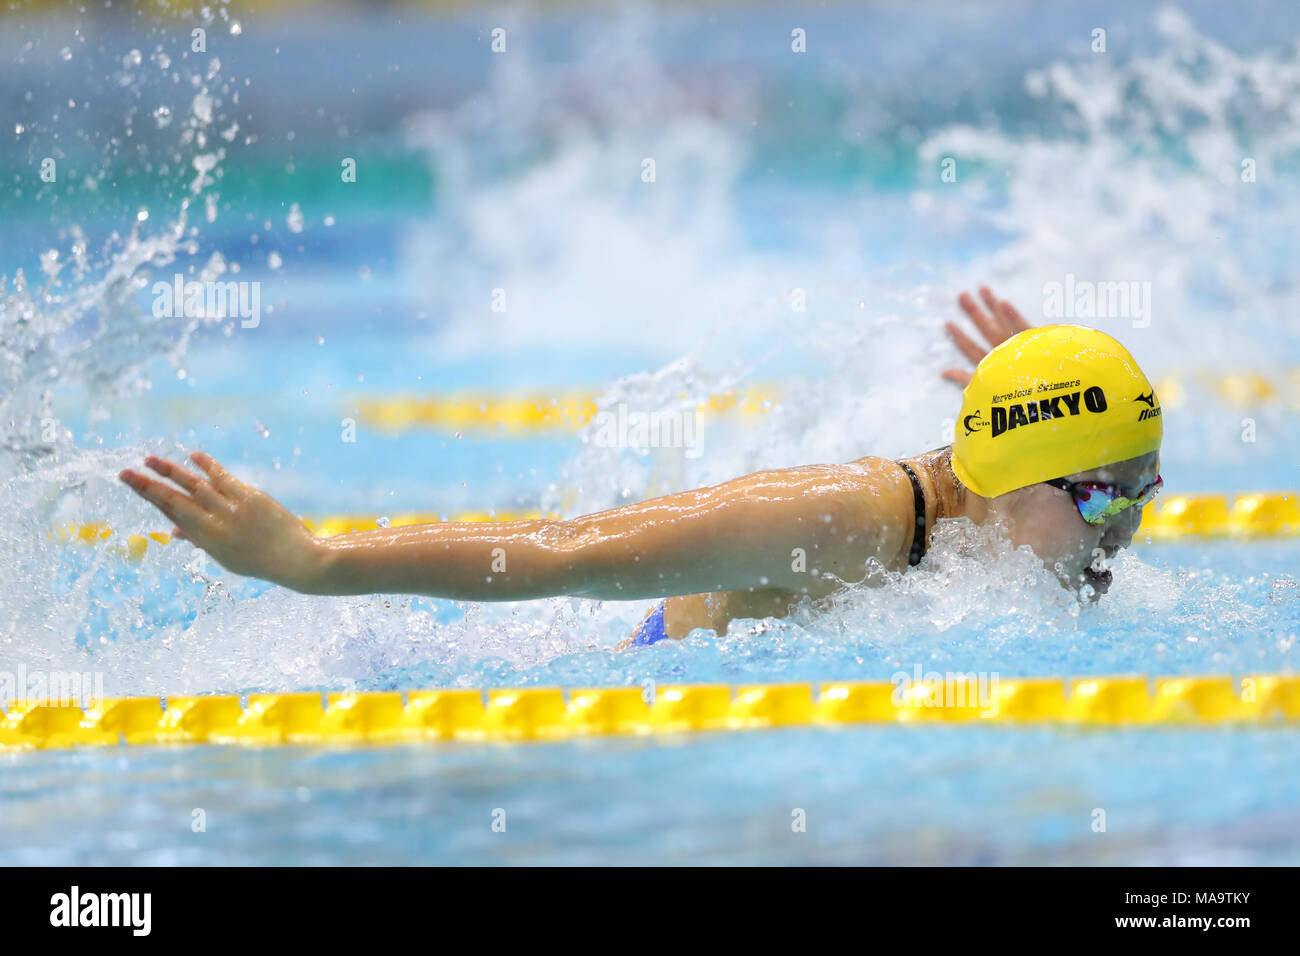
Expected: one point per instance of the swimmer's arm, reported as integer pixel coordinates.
(771, 529)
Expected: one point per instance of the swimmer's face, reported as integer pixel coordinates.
(1045, 518)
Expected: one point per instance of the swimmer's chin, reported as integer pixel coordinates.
(1091, 584)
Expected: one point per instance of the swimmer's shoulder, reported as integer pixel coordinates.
(861, 475)
(884, 487)
(873, 469)
(870, 489)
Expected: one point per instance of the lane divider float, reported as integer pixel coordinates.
(565, 413)
(549, 713)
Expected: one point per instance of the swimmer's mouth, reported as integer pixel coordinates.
(1098, 580)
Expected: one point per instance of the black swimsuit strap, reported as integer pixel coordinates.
(918, 537)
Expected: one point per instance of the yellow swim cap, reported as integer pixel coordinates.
(1048, 402)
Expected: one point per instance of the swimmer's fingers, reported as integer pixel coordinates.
(183, 510)
(222, 480)
(201, 491)
(1001, 326)
(957, 376)
(989, 326)
(1006, 318)
(965, 343)
(990, 302)
(1012, 317)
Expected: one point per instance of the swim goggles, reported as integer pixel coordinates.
(1097, 502)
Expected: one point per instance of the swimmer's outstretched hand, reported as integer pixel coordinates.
(997, 325)
(245, 530)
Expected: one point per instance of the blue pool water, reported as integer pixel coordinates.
(776, 172)
(870, 795)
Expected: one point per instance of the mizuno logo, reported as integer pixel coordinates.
(1150, 399)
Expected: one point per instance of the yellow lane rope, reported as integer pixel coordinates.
(516, 415)
(573, 409)
(1244, 516)
(478, 413)
(551, 714)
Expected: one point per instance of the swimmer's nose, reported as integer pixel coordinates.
(1120, 531)
(1116, 540)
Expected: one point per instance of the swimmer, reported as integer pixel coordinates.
(1058, 440)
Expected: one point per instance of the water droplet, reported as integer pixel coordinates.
(263, 430)
(141, 215)
(274, 261)
(132, 59)
(382, 521)
(202, 108)
(235, 28)
(18, 129)
(294, 218)
(320, 340)
(329, 220)
(66, 53)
